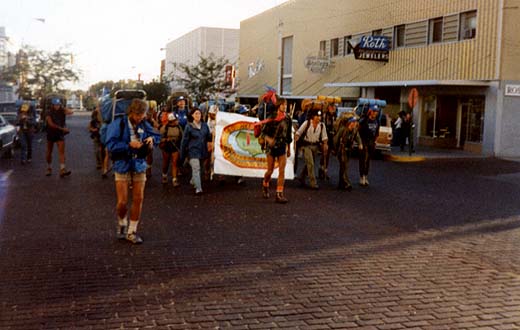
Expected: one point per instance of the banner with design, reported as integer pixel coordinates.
(237, 151)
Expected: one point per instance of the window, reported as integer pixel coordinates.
(468, 25)
(435, 30)
(334, 47)
(399, 32)
(377, 32)
(347, 48)
(287, 51)
(323, 48)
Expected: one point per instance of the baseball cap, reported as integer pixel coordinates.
(180, 98)
(55, 101)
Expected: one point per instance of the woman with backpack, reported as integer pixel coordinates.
(277, 134)
(171, 137)
(130, 138)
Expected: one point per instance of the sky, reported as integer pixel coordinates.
(117, 39)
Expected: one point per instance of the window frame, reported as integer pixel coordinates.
(334, 51)
(431, 29)
(396, 38)
(463, 19)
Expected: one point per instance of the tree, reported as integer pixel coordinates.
(39, 72)
(204, 79)
(157, 91)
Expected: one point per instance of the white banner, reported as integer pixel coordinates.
(237, 151)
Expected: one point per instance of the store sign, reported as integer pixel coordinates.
(512, 90)
(372, 48)
(318, 64)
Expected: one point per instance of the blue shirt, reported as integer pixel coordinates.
(182, 115)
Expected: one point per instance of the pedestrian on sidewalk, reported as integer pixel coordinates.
(56, 131)
(196, 146)
(278, 137)
(130, 139)
(369, 131)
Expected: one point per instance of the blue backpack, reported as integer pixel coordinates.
(111, 108)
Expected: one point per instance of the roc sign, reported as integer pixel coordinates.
(372, 48)
(512, 90)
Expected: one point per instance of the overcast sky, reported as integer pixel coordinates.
(117, 39)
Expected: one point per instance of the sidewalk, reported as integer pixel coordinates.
(423, 153)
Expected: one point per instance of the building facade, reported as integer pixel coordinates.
(201, 41)
(7, 58)
(457, 58)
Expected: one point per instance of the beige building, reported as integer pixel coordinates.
(201, 41)
(461, 56)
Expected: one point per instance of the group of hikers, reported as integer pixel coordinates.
(186, 136)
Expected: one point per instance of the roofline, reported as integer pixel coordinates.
(406, 83)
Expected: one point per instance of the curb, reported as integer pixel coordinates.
(404, 159)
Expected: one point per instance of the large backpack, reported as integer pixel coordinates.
(117, 106)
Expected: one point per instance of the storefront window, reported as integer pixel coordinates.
(428, 116)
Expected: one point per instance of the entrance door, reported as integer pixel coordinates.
(471, 122)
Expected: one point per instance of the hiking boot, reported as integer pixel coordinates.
(198, 192)
(64, 172)
(366, 181)
(175, 182)
(265, 192)
(134, 238)
(321, 174)
(348, 188)
(280, 198)
(121, 232)
(164, 179)
(48, 172)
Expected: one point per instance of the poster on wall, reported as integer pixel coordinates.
(237, 151)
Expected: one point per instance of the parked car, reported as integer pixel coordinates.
(8, 137)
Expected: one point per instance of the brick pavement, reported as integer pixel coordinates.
(445, 258)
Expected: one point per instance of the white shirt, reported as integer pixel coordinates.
(313, 134)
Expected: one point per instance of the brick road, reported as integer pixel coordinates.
(428, 246)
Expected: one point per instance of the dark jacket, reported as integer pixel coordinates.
(194, 141)
(368, 130)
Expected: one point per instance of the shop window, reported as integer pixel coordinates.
(435, 30)
(399, 33)
(334, 47)
(347, 48)
(468, 25)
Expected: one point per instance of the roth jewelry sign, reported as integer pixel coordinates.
(512, 90)
(372, 48)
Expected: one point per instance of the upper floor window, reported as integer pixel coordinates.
(347, 48)
(468, 25)
(435, 30)
(334, 47)
(377, 32)
(399, 32)
(323, 48)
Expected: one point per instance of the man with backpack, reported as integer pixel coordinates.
(347, 133)
(314, 137)
(56, 131)
(369, 131)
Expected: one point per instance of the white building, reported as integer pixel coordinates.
(201, 41)
(7, 90)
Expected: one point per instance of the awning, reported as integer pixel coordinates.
(412, 83)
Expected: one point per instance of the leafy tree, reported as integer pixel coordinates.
(157, 91)
(39, 72)
(204, 79)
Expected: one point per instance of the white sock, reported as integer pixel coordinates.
(62, 166)
(132, 228)
(122, 221)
